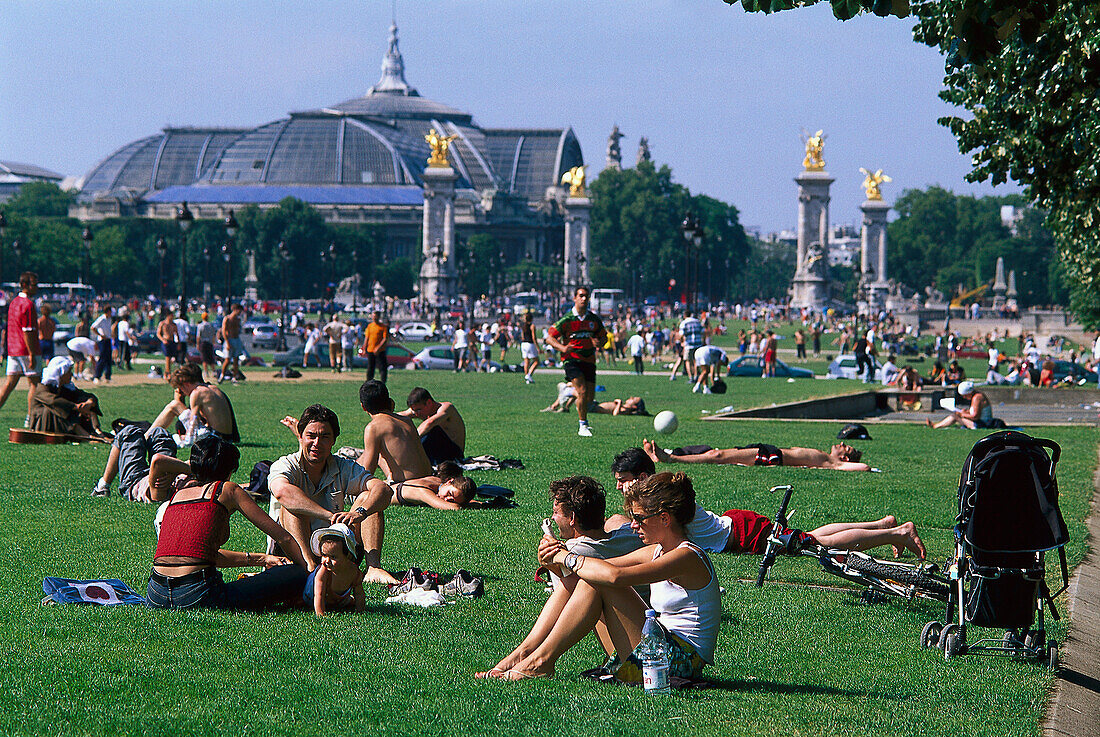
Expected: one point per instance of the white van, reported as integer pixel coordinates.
(604, 301)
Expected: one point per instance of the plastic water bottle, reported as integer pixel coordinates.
(653, 651)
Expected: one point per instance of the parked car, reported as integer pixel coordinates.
(844, 367)
(1062, 369)
(255, 321)
(754, 366)
(442, 357)
(397, 356)
(265, 336)
(417, 331)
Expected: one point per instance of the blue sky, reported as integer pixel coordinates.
(722, 95)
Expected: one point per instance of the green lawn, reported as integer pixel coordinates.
(792, 660)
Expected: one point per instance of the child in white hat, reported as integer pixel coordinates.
(336, 584)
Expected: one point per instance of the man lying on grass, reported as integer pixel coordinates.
(743, 531)
(309, 489)
(841, 457)
(683, 590)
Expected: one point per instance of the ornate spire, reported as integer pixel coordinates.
(393, 70)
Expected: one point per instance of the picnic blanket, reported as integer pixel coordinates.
(105, 591)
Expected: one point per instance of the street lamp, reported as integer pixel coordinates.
(17, 249)
(231, 228)
(184, 218)
(284, 259)
(206, 275)
(162, 251)
(355, 281)
(86, 236)
(693, 239)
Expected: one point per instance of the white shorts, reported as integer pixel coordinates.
(23, 366)
(689, 352)
(528, 350)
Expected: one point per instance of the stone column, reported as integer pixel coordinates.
(999, 286)
(872, 245)
(810, 287)
(577, 256)
(251, 293)
(438, 275)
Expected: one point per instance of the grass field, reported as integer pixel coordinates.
(792, 660)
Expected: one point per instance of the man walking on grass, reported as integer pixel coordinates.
(576, 336)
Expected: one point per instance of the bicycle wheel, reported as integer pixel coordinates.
(924, 583)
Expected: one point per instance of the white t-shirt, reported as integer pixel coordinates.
(311, 339)
(102, 327)
(460, 338)
(709, 355)
(636, 344)
(122, 331)
(335, 330)
(83, 345)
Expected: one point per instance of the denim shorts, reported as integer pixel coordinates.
(206, 588)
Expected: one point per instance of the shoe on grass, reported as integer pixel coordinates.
(101, 490)
(464, 583)
(584, 431)
(414, 578)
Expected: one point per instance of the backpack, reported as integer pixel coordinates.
(257, 481)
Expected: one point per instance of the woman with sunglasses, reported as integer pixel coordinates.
(683, 590)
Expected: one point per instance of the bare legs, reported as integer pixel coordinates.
(9, 387)
(951, 419)
(729, 456)
(620, 609)
(866, 535)
(584, 392)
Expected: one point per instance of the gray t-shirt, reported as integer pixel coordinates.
(619, 542)
(342, 481)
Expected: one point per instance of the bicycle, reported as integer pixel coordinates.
(882, 578)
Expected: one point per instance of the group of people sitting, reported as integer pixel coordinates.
(326, 520)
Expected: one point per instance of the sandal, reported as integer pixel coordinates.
(490, 673)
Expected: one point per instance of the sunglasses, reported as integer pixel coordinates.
(640, 518)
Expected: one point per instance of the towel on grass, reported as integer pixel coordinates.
(106, 591)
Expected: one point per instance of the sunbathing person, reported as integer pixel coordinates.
(629, 406)
(442, 431)
(684, 590)
(744, 531)
(447, 489)
(841, 457)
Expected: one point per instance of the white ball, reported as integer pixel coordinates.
(666, 422)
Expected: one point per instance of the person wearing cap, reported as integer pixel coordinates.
(976, 414)
(336, 584)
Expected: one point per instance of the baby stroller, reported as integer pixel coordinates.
(1008, 520)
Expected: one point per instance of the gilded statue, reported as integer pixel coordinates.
(440, 149)
(575, 179)
(872, 183)
(815, 144)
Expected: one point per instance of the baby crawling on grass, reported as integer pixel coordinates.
(336, 584)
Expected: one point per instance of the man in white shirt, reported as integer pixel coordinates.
(334, 331)
(101, 332)
(709, 360)
(124, 335)
(889, 371)
(637, 345)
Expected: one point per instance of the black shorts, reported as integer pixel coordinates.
(206, 348)
(580, 370)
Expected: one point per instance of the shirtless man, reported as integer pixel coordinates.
(166, 334)
(442, 431)
(231, 334)
(132, 447)
(390, 441)
(841, 457)
(310, 488)
(743, 531)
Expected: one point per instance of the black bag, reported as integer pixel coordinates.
(718, 387)
(257, 481)
(853, 431)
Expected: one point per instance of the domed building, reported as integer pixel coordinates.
(358, 161)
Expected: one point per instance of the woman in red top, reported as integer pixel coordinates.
(196, 524)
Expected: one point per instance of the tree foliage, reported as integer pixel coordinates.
(636, 238)
(953, 241)
(1027, 72)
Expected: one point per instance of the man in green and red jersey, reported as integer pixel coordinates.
(576, 336)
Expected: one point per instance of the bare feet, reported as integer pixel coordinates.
(928, 422)
(912, 541)
(378, 575)
(521, 675)
(491, 673)
(658, 455)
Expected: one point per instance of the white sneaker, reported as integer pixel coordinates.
(706, 390)
(696, 389)
(584, 431)
(528, 380)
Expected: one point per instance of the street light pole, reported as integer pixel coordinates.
(184, 218)
(86, 237)
(206, 275)
(284, 258)
(231, 228)
(17, 249)
(162, 251)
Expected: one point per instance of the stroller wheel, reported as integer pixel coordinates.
(1052, 655)
(950, 646)
(1011, 642)
(1034, 642)
(930, 635)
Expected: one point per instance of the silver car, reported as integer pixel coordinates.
(844, 367)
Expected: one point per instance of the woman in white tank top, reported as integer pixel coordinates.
(684, 592)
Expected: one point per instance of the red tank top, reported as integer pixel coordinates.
(195, 528)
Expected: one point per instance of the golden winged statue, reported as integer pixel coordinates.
(815, 144)
(873, 182)
(440, 149)
(575, 179)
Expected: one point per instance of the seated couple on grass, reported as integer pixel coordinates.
(745, 531)
(194, 525)
(597, 594)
